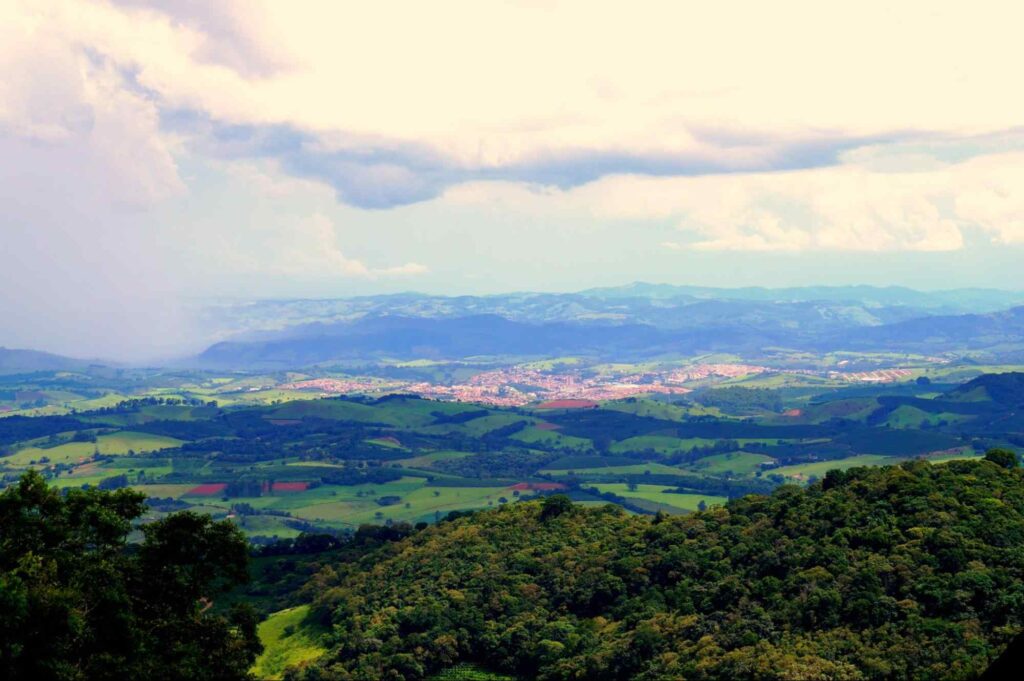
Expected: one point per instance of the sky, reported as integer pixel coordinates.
(157, 153)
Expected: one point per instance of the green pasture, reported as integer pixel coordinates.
(551, 438)
(739, 463)
(287, 641)
(804, 471)
(119, 443)
(632, 469)
(658, 495)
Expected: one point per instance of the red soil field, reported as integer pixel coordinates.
(792, 412)
(389, 439)
(547, 426)
(208, 489)
(568, 404)
(539, 486)
(290, 486)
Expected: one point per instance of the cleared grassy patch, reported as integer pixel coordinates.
(286, 642)
(469, 672)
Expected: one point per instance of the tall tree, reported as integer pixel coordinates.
(80, 603)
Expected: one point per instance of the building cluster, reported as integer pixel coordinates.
(877, 376)
(518, 385)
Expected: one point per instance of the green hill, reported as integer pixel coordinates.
(902, 572)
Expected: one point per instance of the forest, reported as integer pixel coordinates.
(913, 571)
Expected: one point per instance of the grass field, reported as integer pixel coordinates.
(657, 495)
(740, 463)
(906, 416)
(551, 438)
(632, 469)
(425, 460)
(342, 506)
(819, 468)
(72, 452)
(420, 503)
(162, 491)
(286, 642)
(401, 413)
(662, 444)
(953, 456)
(479, 426)
(660, 410)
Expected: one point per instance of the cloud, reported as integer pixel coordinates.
(309, 248)
(919, 203)
(233, 33)
(393, 112)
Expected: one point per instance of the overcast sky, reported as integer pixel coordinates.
(153, 152)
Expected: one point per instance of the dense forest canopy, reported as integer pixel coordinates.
(903, 572)
(80, 604)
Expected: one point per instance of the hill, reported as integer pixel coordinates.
(1006, 390)
(613, 328)
(902, 572)
(16, 361)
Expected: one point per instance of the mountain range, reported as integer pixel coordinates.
(635, 322)
(638, 321)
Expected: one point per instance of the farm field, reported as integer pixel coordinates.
(737, 463)
(74, 452)
(551, 438)
(662, 444)
(658, 495)
(632, 469)
(333, 464)
(802, 472)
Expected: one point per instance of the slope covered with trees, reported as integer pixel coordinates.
(913, 571)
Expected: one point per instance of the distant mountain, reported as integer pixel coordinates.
(420, 337)
(637, 321)
(747, 329)
(962, 300)
(17, 361)
(998, 331)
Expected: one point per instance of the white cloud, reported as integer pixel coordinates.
(922, 205)
(489, 84)
(72, 115)
(990, 194)
(297, 247)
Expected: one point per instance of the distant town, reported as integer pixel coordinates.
(520, 385)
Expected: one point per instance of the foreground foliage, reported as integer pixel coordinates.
(79, 604)
(905, 572)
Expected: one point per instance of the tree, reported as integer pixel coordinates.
(1002, 457)
(555, 506)
(80, 603)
